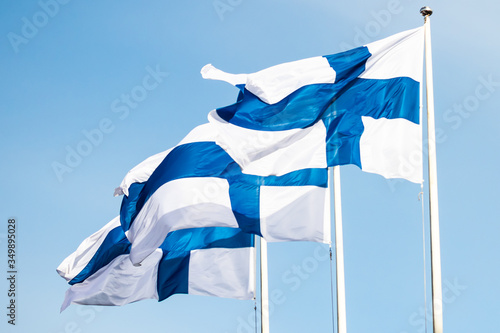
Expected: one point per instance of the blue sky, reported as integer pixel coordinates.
(67, 75)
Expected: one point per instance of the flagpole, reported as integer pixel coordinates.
(339, 250)
(264, 287)
(437, 304)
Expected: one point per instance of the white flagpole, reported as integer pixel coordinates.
(339, 250)
(437, 304)
(264, 288)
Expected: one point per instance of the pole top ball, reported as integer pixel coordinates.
(426, 11)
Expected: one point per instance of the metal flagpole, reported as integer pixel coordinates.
(437, 304)
(264, 288)
(339, 250)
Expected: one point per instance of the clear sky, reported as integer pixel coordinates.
(65, 67)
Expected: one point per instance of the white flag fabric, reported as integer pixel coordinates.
(357, 107)
(202, 261)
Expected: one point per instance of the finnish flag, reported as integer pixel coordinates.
(203, 261)
(197, 184)
(358, 107)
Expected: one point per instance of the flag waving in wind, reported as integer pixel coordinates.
(357, 107)
(201, 261)
(259, 167)
(197, 184)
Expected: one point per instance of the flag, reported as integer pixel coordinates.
(357, 107)
(202, 261)
(197, 184)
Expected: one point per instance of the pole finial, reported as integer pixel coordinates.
(426, 11)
